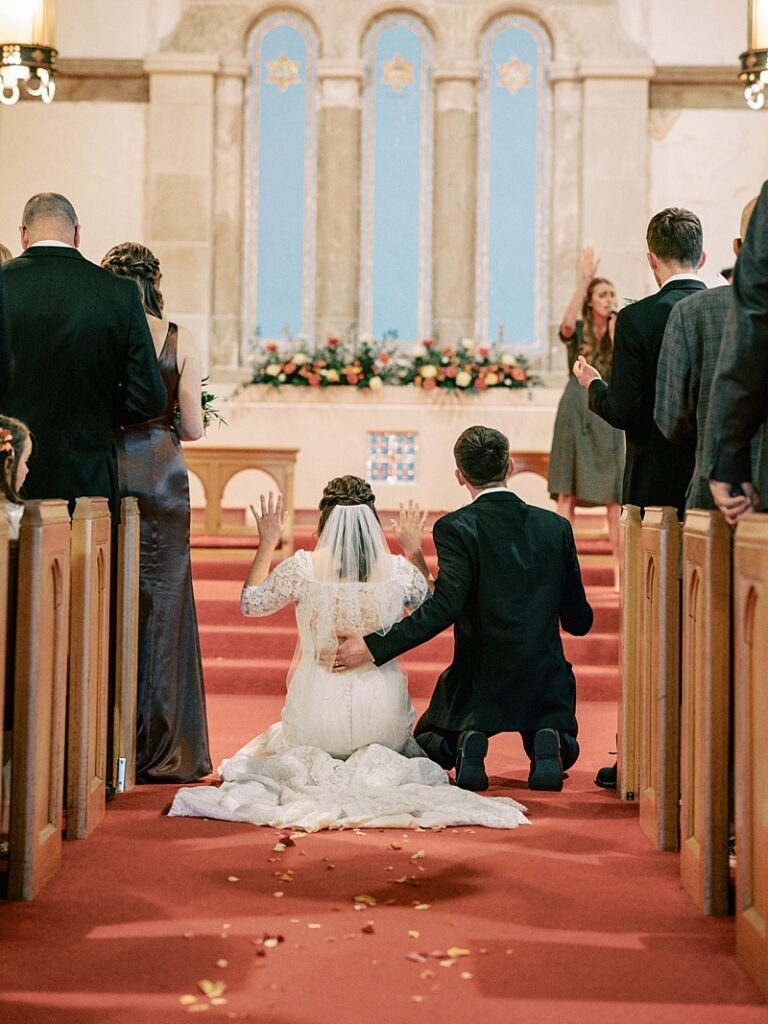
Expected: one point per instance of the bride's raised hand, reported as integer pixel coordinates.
(409, 528)
(269, 520)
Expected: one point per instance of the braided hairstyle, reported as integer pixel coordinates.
(347, 490)
(13, 436)
(136, 261)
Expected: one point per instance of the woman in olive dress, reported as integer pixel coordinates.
(172, 733)
(587, 461)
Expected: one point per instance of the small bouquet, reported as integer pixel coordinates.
(210, 412)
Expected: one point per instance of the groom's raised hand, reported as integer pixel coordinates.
(351, 652)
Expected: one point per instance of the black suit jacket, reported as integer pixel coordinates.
(508, 577)
(738, 403)
(5, 346)
(656, 472)
(83, 362)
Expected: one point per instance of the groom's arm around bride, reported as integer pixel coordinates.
(508, 578)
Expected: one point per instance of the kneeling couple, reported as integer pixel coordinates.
(343, 754)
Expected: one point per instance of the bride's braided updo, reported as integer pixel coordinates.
(345, 490)
(136, 261)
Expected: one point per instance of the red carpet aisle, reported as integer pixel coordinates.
(573, 919)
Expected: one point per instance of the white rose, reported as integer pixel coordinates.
(463, 379)
(467, 343)
(332, 376)
(507, 360)
(419, 352)
(375, 383)
(300, 358)
(491, 379)
(273, 369)
(428, 371)
(366, 339)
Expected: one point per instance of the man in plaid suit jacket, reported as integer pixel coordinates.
(687, 362)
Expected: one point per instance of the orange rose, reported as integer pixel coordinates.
(429, 384)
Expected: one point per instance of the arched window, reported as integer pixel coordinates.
(281, 179)
(396, 208)
(511, 271)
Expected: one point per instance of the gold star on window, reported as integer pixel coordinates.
(398, 73)
(283, 72)
(514, 75)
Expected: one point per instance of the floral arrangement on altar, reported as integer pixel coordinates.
(369, 363)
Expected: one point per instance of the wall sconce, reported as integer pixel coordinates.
(27, 54)
(754, 61)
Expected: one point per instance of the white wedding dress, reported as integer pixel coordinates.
(342, 755)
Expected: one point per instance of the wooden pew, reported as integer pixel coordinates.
(4, 606)
(630, 640)
(750, 625)
(660, 679)
(127, 647)
(88, 666)
(40, 693)
(705, 719)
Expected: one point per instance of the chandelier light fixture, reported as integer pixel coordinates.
(27, 54)
(754, 61)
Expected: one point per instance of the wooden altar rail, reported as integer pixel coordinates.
(57, 585)
(660, 678)
(750, 591)
(705, 710)
(216, 466)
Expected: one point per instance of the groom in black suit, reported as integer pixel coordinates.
(656, 472)
(508, 578)
(83, 357)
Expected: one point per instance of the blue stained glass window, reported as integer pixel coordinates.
(392, 457)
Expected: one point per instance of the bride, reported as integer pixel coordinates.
(342, 755)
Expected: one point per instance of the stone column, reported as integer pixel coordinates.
(455, 202)
(227, 359)
(337, 258)
(179, 221)
(565, 202)
(614, 157)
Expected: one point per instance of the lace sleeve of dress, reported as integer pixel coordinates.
(280, 588)
(416, 589)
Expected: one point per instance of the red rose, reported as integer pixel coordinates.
(484, 351)
(333, 342)
(290, 368)
(384, 358)
(314, 380)
(429, 384)
(517, 374)
(450, 372)
(352, 378)
(271, 346)
(481, 384)
(427, 343)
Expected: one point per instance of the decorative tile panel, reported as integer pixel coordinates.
(391, 458)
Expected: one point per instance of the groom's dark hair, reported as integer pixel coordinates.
(482, 456)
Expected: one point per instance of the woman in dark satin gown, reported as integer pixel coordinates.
(172, 733)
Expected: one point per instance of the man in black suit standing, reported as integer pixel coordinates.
(738, 404)
(508, 578)
(657, 472)
(5, 346)
(83, 357)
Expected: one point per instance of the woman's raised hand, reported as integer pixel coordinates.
(409, 528)
(589, 263)
(269, 521)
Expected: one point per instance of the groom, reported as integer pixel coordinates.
(508, 577)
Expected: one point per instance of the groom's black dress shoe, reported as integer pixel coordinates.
(547, 766)
(470, 756)
(607, 778)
